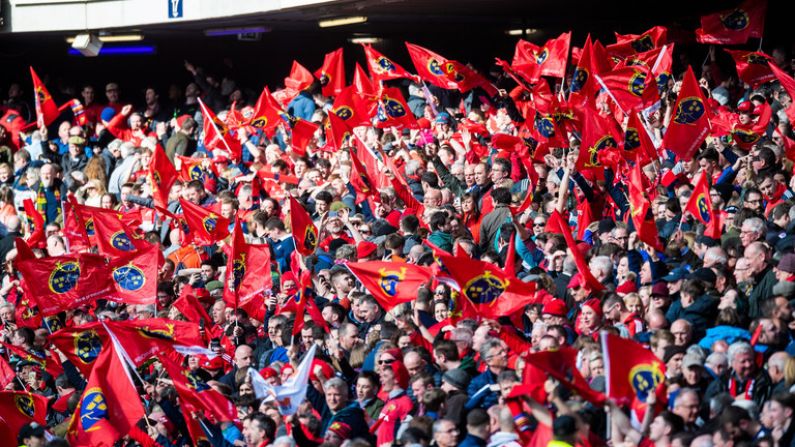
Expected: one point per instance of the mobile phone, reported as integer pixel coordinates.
(201, 324)
(31, 376)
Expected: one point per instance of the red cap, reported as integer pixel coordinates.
(424, 123)
(745, 107)
(576, 281)
(627, 287)
(595, 305)
(758, 109)
(555, 307)
(365, 249)
(401, 373)
(268, 372)
(215, 363)
(181, 120)
(327, 370)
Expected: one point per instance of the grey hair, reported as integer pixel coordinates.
(738, 347)
(717, 255)
(717, 358)
(337, 384)
(755, 224)
(488, 345)
(412, 166)
(602, 263)
(284, 441)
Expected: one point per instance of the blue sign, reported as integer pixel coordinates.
(174, 9)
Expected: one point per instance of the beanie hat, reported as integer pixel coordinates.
(107, 113)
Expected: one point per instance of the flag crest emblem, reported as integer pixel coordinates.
(25, 405)
(485, 288)
(689, 111)
(645, 378)
(64, 277)
(390, 279)
(87, 346)
(93, 408)
(129, 277)
(736, 20)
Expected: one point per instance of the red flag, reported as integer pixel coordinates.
(690, 122)
(632, 87)
(352, 107)
(382, 68)
(393, 111)
(629, 44)
(109, 407)
(162, 176)
(442, 72)
(51, 364)
(46, 109)
(594, 61)
(332, 74)
(700, 205)
(206, 227)
(216, 134)
(190, 168)
(391, 283)
(598, 133)
(562, 366)
(135, 276)
(300, 78)
(733, 26)
(267, 113)
(789, 85)
(302, 133)
(18, 408)
(640, 209)
(130, 220)
(493, 293)
(36, 237)
(113, 238)
(152, 336)
(304, 301)
(7, 373)
(81, 345)
(65, 282)
(752, 66)
(362, 84)
(338, 133)
(637, 141)
(556, 224)
(632, 371)
(304, 230)
(360, 179)
(549, 60)
(248, 270)
(195, 394)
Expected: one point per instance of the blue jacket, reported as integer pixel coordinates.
(302, 106)
(479, 397)
(472, 441)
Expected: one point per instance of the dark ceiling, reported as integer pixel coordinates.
(467, 30)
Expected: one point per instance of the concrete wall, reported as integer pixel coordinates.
(68, 15)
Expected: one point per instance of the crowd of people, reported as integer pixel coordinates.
(708, 293)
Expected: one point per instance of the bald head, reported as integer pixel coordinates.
(13, 224)
(243, 356)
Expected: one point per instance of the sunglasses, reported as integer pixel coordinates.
(386, 362)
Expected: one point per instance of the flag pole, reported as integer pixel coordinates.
(606, 360)
(126, 358)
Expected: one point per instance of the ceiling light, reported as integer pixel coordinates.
(367, 40)
(114, 38)
(519, 32)
(341, 21)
